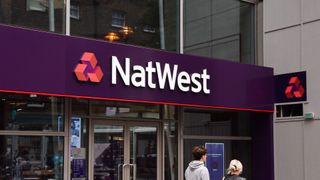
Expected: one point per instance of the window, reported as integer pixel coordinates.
(75, 11)
(149, 29)
(118, 18)
(289, 110)
(37, 5)
(31, 157)
(31, 136)
(31, 113)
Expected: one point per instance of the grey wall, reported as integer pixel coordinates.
(292, 43)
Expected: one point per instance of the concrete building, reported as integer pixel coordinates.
(291, 34)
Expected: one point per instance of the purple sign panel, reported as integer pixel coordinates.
(215, 160)
(291, 87)
(76, 67)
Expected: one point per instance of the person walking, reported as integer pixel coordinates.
(234, 171)
(196, 169)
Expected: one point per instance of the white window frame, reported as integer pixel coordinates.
(76, 9)
(121, 18)
(37, 5)
(289, 117)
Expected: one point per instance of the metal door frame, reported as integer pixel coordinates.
(126, 135)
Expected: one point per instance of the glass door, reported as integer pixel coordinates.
(126, 151)
(108, 150)
(143, 152)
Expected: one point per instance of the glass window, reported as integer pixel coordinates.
(79, 148)
(31, 112)
(80, 107)
(74, 11)
(289, 110)
(217, 123)
(171, 150)
(31, 157)
(47, 15)
(37, 5)
(150, 23)
(227, 29)
(118, 18)
(122, 109)
(241, 150)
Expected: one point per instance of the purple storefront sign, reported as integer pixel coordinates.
(42, 62)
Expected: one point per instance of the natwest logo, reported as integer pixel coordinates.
(294, 89)
(140, 76)
(88, 70)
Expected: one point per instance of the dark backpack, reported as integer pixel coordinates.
(228, 177)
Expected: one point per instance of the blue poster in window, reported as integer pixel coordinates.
(215, 160)
(75, 141)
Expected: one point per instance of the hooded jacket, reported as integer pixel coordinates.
(197, 171)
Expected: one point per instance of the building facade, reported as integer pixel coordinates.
(59, 123)
(291, 37)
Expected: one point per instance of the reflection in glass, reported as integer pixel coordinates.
(217, 123)
(227, 29)
(150, 23)
(27, 157)
(171, 150)
(80, 106)
(143, 148)
(31, 112)
(108, 151)
(79, 148)
(47, 15)
(122, 109)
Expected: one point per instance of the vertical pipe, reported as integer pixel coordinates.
(67, 17)
(51, 15)
(181, 27)
(161, 24)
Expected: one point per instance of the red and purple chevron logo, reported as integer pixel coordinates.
(294, 89)
(88, 69)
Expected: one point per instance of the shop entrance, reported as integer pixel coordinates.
(126, 150)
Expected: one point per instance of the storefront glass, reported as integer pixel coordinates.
(143, 152)
(79, 147)
(217, 123)
(108, 152)
(231, 130)
(31, 112)
(31, 157)
(171, 150)
(233, 149)
(47, 15)
(80, 107)
(125, 110)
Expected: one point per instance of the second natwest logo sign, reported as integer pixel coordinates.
(153, 75)
(291, 87)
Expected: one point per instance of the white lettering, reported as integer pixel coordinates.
(150, 69)
(195, 77)
(124, 75)
(138, 78)
(205, 77)
(162, 78)
(184, 78)
(144, 76)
